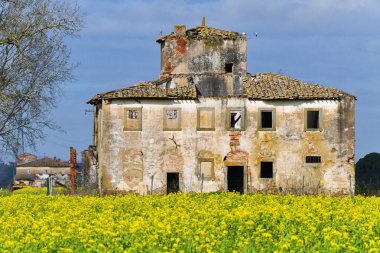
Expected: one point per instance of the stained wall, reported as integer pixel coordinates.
(130, 159)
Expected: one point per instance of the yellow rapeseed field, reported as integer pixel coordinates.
(224, 222)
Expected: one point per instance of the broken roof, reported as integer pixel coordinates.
(45, 162)
(204, 32)
(255, 86)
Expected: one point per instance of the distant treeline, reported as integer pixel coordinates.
(7, 170)
(367, 175)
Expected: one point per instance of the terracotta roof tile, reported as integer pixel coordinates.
(275, 86)
(149, 89)
(257, 86)
(45, 162)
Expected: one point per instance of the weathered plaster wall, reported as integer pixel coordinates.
(20, 170)
(180, 55)
(129, 159)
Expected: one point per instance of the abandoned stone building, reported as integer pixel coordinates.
(206, 125)
(31, 171)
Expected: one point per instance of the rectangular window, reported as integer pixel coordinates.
(267, 119)
(228, 67)
(132, 119)
(313, 159)
(206, 119)
(313, 119)
(172, 119)
(206, 168)
(266, 170)
(235, 119)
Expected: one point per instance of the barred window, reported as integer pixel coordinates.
(172, 119)
(132, 114)
(132, 119)
(171, 114)
(313, 159)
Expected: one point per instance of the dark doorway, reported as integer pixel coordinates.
(235, 179)
(172, 182)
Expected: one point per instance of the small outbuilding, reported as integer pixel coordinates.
(35, 171)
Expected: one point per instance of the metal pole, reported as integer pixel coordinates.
(349, 178)
(202, 183)
(151, 185)
(250, 183)
(51, 185)
(47, 186)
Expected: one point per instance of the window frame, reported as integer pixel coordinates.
(179, 115)
(200, 160)
(313, 164)
(199, 109)
(228, 118)
(320, 121)
(126, 109)
(273, 170)
(260, 127)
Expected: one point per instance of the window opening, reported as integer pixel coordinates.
(132, 114)
(235, 120)
(266, 170)
(313, 159)
(266, 119)
(313, 119)
(228, 67)
(171, 114)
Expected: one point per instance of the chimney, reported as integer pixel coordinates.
(203, 22)
(180, 30)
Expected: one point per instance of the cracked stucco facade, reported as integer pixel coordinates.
(135, 160)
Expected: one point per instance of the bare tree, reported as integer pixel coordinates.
(34, 64)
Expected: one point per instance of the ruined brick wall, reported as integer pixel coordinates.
(129, 159)
(89, 170)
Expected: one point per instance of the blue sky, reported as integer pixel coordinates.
(332, 42)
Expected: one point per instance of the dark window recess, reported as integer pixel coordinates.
(312, 119)
(266, 170)
(172, 183)
(313, 159)
(266, 119)
(228, 67)
(235, 120)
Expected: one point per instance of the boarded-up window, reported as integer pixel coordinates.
(172, 119)
(206, 168)
(235, 119)
(132, 119)
(206, 119)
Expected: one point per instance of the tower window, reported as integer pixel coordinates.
(228, 67)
